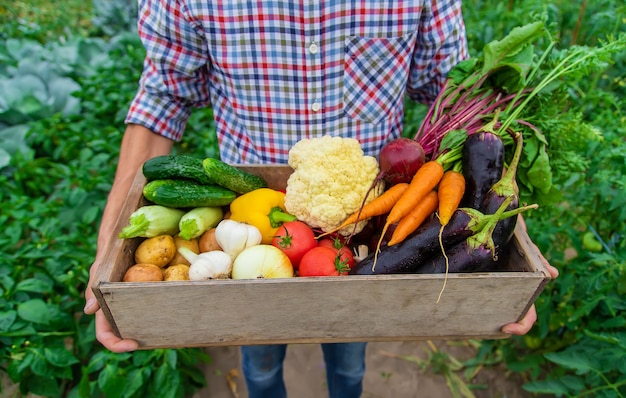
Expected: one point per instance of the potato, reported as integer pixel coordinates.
(158, 250)
(191, 244)
(143, 272)
(207, 241)
(177, 272)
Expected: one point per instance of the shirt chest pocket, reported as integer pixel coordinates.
(375, 76)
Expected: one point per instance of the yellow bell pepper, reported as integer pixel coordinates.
(264, 208)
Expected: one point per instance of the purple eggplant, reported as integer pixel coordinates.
(477, 253)
(408, 255)
(464, 257)
(483, 163)
(405, 256)
(505, 188)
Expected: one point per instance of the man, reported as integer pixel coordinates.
(276, 72)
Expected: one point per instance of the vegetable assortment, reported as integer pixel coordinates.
(445, 201)
(255, 235)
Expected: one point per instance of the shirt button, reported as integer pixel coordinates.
(316, 106)
(313, 48)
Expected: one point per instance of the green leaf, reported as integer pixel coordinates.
(84, 386)
(540, 174)
(98, 361)
(166, 382)
(111, 382)
(571, 359)
(6, 319)
(61, 89)
(517, 40)
(40, 365)
(171, 358)
(453, 139)
(14, 139)
(90, 215)
(463, 70)
(555, 387)
(5, 158)
(23, 48)
(615, 322)
(42, 385)
(511, 74)
(135, 381)
(34, 286)
(35, 310)
(60, 356)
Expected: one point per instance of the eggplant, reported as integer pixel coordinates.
(408, 255)
(505, 187)
(477, 253)
(463, 257)
(483, 164)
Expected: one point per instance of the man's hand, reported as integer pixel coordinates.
(104, 333)
(525, 324)
(138, 145)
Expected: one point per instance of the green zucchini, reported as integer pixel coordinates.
(231, 177)
(175, 167)
(199, 220)
(186, 193)
(152, 220)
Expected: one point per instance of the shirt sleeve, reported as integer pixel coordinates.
(175, 75)
(441, 44)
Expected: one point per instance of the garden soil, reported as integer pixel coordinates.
(394, 369)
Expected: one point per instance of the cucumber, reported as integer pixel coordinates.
(186, 193)
(231, 177)
(175, 167)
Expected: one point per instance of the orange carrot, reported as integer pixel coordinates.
(376, 207)
(451, 189)
(414, 218)
(425, 180)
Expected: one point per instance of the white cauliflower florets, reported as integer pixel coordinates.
(330, 179)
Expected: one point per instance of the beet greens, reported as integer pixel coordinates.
(508, 77)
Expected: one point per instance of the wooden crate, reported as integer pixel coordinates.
(312, 310)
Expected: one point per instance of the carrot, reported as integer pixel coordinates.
(414, 218)
(376, 207)
(450, 191)
(425, 180)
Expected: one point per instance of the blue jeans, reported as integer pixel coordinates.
(263, 369)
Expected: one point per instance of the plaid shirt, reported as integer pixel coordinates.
(277, 71)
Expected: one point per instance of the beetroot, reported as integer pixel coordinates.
(399, 160)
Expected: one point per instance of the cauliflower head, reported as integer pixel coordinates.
(330, 179)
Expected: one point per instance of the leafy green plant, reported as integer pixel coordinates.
(55, 180)
(576, 345)
(113, 17)
(44, 20)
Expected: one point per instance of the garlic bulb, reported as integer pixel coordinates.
(234, 236)
(215, 264)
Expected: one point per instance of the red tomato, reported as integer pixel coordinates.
(294, 238)
(322, 261)
(340, 247)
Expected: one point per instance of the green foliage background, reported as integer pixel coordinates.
(68, 70)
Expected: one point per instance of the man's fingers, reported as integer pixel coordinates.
(554, 272)
(524, 325)
(105, 335)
